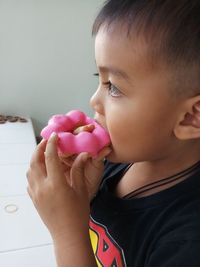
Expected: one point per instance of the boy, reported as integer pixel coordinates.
(146, 213)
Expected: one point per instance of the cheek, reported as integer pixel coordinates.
(121, 131)
(120, 141)
(137, 138)
(125, 124)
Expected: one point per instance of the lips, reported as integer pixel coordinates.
(100, 123)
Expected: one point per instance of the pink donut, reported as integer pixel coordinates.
(70, 143)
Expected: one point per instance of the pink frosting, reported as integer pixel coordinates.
(69, 143)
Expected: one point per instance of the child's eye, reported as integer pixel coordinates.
(113, 90)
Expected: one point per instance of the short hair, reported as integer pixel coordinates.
(171, 29)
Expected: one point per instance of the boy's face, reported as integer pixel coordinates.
(133, 100)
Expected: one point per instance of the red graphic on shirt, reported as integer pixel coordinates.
(107, 251)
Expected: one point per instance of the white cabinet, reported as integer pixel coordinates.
(41, 256)
(24, 239)
(21, 226)
(13, 180)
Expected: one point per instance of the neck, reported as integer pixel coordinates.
(144, 173)
(147, 172)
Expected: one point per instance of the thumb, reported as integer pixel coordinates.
(99, 160)
(77, 172)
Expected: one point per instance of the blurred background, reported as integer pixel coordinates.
(46, 57)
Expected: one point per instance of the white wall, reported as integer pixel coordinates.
(46, 57)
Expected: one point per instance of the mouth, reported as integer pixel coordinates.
(101, 124)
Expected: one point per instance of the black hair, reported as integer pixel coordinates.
(171, 28)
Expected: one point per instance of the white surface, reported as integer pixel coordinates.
(17, 132)
(23, 228)
(31, 257)
(16, 153)
(13, 179)
(24, 239)
(17, 142)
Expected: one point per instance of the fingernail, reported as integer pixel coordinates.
(109, 150)
(86, 156)
(53, 135)
(197, 107)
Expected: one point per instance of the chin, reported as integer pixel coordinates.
(112, 157)
(116, 158)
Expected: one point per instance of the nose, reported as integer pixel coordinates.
(96, 101)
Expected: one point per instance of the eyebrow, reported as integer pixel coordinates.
(114, 71)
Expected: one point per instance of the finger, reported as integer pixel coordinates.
(38, 155)
(68, 161)
(34, 177)
(37, 162)
(99, 160)
(77, 172)
(103, 153)
(53, 164)
(29, 191)
(31, 195)
(84, 128)
(64, 155)
(28, 176)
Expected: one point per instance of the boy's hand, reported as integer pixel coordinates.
(93, 167)
(92, 172)
(60, 194)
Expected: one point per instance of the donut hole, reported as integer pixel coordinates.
(84, 128)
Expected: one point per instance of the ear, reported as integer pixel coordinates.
(188, 124)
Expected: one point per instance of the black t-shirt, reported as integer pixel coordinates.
(160, 230)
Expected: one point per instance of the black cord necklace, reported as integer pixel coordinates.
(180, 175)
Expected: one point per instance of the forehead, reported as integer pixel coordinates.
(114, 48)
(131, 56)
